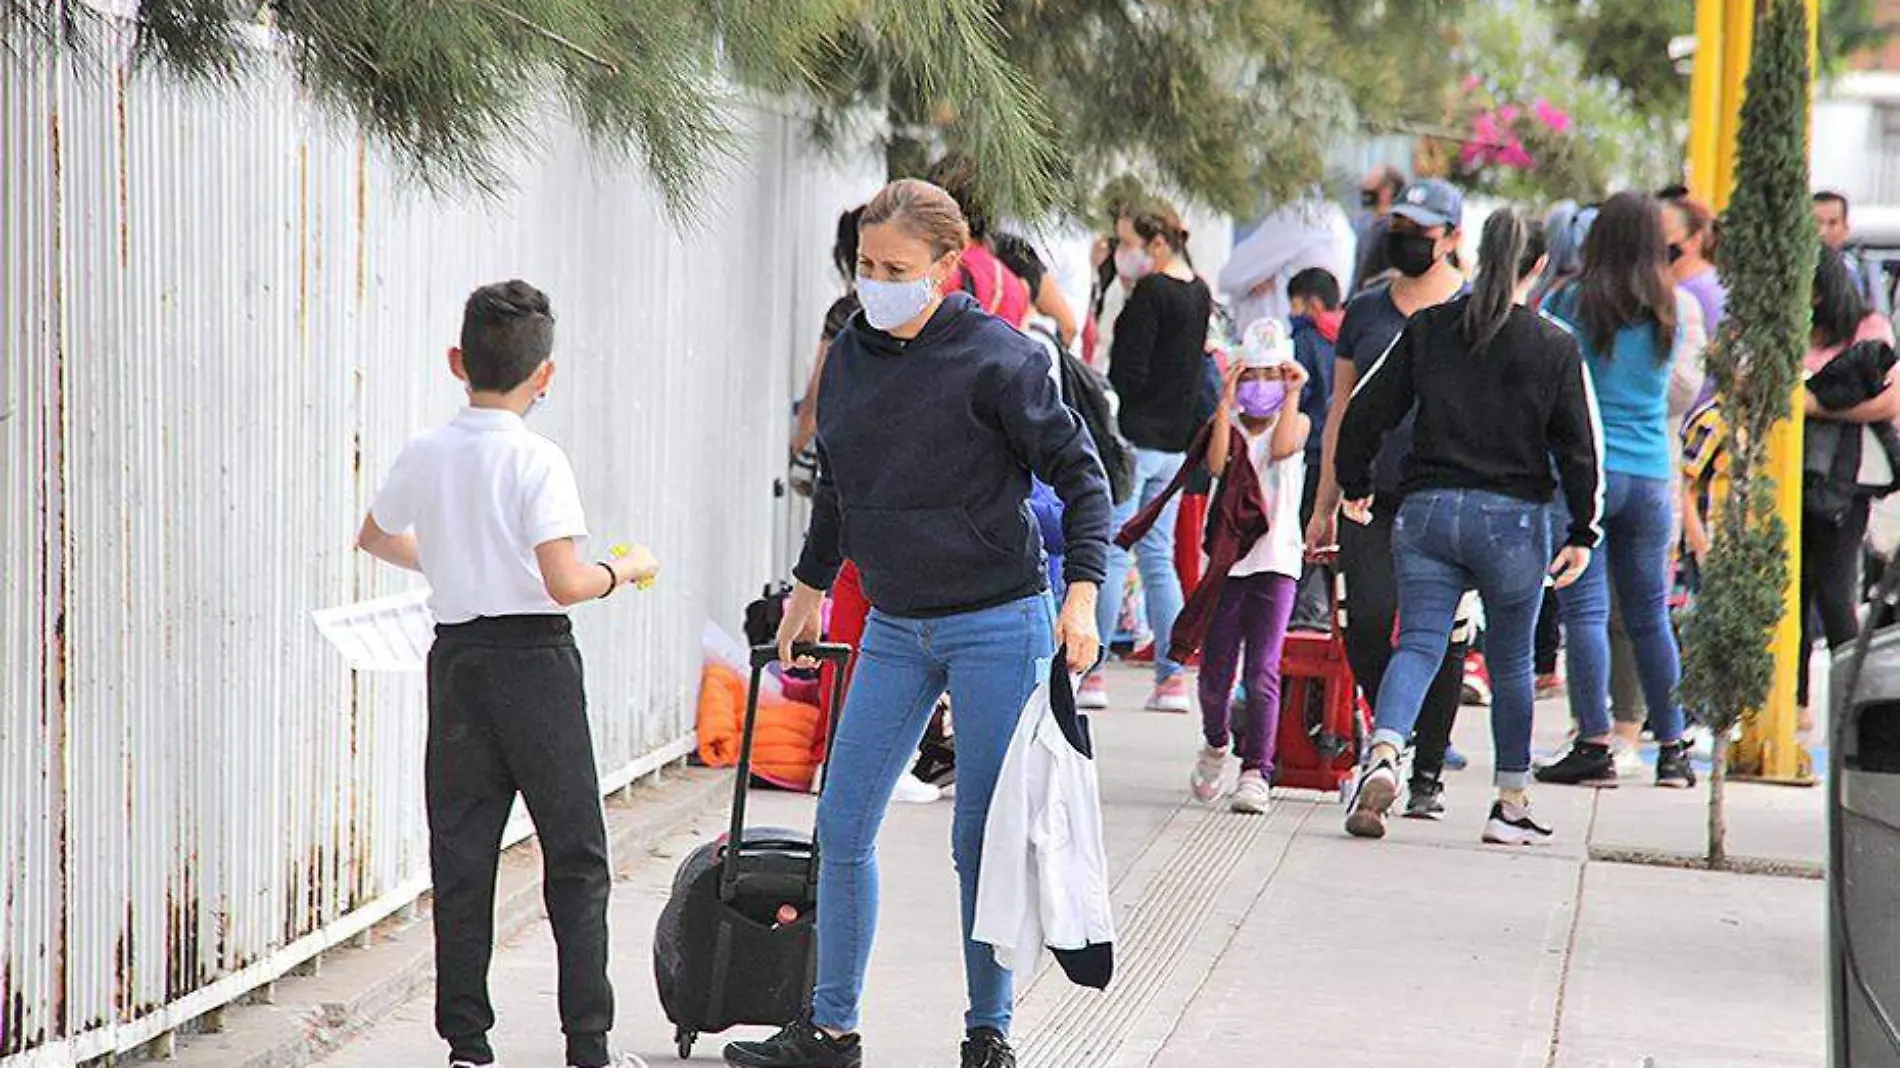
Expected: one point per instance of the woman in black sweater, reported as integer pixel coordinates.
(1500, 392)
(1157, 365)
(932, 417)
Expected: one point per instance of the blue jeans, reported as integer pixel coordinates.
(990, 661)
(1154, 555)
(1445, 542)
(1638, 528)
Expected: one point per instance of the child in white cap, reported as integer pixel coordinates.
(1256, 603)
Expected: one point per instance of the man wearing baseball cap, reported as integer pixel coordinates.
(1423, 235)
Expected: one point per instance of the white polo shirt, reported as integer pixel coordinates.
(480, 494)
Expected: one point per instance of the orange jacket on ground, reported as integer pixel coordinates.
(788, 741)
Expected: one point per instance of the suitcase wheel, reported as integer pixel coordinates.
(685, 1040)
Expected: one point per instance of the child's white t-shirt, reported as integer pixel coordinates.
(1282, 549)
(480, 494)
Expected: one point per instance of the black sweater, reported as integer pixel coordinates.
(1159, 359)
(1491, 422)
(926, 449)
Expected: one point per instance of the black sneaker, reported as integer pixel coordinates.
(1425, 800)
(936, 763)
(1673, 770)
(1511, 825)
(987, 1048)
(1587, 764)
(798, 1045)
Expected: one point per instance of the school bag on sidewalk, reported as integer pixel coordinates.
(736, 943)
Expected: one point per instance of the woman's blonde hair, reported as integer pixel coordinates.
(924, 211)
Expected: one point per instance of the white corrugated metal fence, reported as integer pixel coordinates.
(222, 318)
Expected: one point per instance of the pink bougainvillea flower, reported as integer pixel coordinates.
(1473, 156)
(1513, 155)
(1507, 115)
(1485, 127)
(1472, 81)
(1553, 117)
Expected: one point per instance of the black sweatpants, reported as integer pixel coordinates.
(1371, 594)
(508, 714)
(1830, 583)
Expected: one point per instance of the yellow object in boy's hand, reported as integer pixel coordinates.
(620, 551)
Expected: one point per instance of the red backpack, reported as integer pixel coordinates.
(998, 289)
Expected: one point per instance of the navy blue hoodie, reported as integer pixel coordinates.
(926, 449)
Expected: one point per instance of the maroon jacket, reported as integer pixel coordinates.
(1236, 519)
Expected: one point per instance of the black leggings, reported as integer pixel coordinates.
(1549, 634)
(1371, 587)
(1830, 583)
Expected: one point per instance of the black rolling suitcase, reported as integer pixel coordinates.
(736, 943)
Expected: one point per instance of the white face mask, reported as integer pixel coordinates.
(889, 305)
(1133, 263)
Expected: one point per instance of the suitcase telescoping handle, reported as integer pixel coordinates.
(764, 656)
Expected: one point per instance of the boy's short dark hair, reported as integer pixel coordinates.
(507, 334)
(1315, 284)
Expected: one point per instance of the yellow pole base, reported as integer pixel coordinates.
(1768, 750)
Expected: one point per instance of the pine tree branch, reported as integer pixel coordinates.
(546, 34)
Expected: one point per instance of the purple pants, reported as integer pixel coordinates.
(1252, 619)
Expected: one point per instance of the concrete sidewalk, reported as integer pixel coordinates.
(1279, 941)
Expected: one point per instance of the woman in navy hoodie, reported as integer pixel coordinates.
(932, 418)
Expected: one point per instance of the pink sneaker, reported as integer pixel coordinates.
(1209, 769)
(1092, 695)
(1172, 696)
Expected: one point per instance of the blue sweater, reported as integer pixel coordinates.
(1632, 391)
(926, 449)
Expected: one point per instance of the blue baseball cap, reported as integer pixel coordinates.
(1431, 202)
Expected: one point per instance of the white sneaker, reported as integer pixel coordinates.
(1514, 825)
(1092, 694)
(914, 791)
(1372, 799)
(1629, 762)
(1252, 796)
(1209, 769)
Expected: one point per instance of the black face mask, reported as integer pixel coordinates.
(1412, 255)
(1368, 198)
(1675, 253)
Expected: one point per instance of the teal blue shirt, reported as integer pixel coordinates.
(1632, 390)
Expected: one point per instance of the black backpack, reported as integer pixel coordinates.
(1087, 393)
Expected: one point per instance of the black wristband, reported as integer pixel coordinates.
(613, 580)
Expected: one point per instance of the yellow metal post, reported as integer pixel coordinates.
(1725, 33)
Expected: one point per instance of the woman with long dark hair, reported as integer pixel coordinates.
(1832, 534)
(1626, 313)
(1499, 392)
(1157, 366)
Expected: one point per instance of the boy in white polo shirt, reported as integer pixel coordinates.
(489, 511)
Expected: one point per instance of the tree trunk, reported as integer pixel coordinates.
(1718, 814)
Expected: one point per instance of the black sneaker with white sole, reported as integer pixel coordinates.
(1673, 770)
(987, 1048)
(1587, 764)
(1378, 787)
(798, 1045)
(1425, 799)
(1512, 825)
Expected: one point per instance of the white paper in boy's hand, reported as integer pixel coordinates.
(386, 634)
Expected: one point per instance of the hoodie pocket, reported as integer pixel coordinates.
(925, 550)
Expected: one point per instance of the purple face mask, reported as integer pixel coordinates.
(1261, 398)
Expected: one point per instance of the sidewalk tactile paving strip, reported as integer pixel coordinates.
(1086, 1028)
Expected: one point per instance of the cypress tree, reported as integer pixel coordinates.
(1769, 246)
